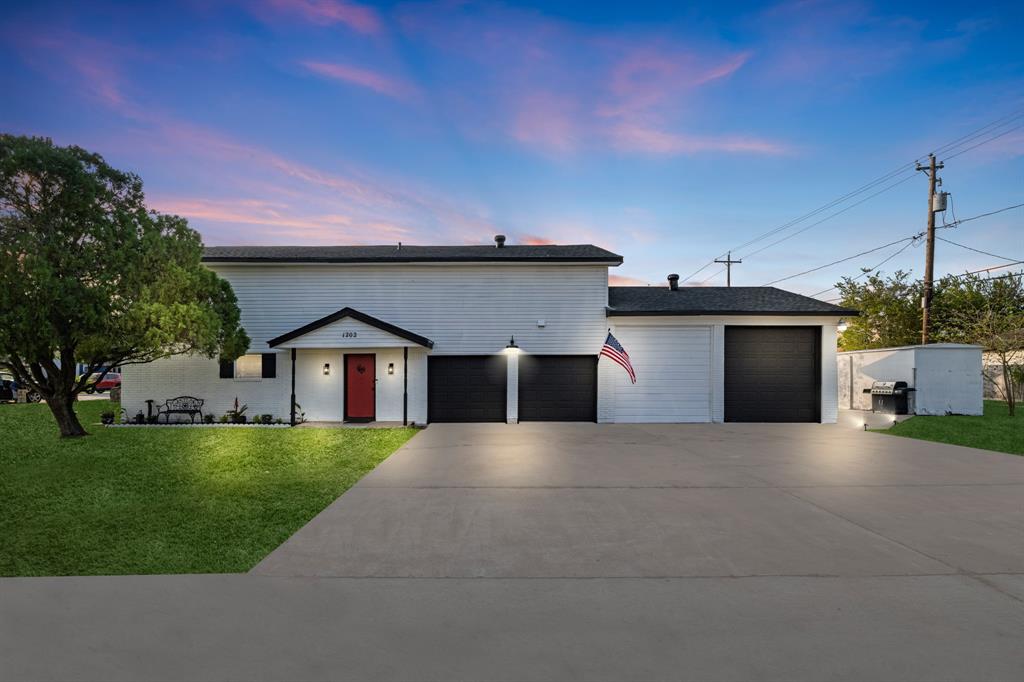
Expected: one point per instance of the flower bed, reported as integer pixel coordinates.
(197, 425)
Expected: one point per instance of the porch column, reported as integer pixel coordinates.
(512, 388)
(293, 388)
(405, 385)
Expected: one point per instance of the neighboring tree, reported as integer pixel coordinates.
(87, 274)
(890, 311)
(990, 313)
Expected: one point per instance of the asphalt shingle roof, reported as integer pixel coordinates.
(409, 254)
(715, 301)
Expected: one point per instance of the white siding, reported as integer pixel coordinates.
(464, 309)
(347, 333)
(199, 376)
(673, 369)
(320, 396)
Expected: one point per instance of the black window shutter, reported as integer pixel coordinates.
(269, 365)
(227, 369)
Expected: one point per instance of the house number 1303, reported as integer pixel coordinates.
(349, 335)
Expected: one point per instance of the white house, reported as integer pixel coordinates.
(424, 334)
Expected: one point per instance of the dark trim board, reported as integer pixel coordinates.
(772, 374)
(355, 315)
(611, 312)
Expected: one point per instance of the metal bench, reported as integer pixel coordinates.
(183, 404)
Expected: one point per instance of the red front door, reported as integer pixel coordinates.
(360, 385)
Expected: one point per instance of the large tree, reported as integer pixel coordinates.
(88, 274)
(890, 311)
(988, 312)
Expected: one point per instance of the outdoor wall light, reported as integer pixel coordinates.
(512, 348)
(327, 369)
(391, 368)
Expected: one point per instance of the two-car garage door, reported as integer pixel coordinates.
(472, 388)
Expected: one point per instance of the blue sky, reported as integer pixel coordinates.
(666, 133)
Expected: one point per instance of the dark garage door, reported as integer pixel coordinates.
(466, 388)
(558, 388)
(772, 374)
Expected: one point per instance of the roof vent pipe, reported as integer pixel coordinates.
(673, 282)
(499, 241)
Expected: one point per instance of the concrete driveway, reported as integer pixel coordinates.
(584, 551)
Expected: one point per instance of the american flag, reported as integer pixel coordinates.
(614, 350)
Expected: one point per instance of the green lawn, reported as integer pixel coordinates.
(994, 431)
(138, 500)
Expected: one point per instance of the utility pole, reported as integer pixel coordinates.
(929, 264)
(728, 267)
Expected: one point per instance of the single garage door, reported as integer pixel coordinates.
(558, 388)
(466, 388)
(673, 374)
(772, 374)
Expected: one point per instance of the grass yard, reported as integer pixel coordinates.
(130, 501)
(996, 430)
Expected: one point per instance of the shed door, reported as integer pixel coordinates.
(558, 388)
(466, 388)
(673, 374)
(772, 374)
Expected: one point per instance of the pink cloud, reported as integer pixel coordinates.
(534, 240)
(326, 12)
(632, 138)
(623, 281)
(379, 83)
(546, 121)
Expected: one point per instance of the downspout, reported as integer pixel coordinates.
(293, 387)
(405, 385)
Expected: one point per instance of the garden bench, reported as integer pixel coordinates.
(183, 404)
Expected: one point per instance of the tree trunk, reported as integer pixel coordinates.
(1011, 393)
(63, 409)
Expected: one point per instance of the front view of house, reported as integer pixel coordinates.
(502, 333)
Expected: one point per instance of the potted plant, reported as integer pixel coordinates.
(107, 417)
(140, 418)
(237, 414)
(266, 419)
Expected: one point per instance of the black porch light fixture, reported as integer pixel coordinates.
(512, 348)
(327, 369)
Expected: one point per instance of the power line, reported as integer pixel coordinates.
(867, 271)
(971, 248)
(837, 262)
(956, 223)
(987, 129)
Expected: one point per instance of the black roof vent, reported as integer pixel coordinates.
(499, 240)
(673, 282)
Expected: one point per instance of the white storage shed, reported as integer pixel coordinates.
(946, 377)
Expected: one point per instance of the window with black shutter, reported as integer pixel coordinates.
(269, 365)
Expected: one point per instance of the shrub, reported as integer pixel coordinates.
(224, 419)
(153, 419)
(208, 419)
(266, 418)
(107, 417)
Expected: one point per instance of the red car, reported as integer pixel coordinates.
(112, 380)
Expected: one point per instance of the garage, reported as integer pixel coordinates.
(558, 388)
(772, 374)
(673, 369)
(466, 388)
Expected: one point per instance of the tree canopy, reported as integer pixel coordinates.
(88, 274)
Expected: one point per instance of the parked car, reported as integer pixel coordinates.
(97, 385)
(9, 389)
